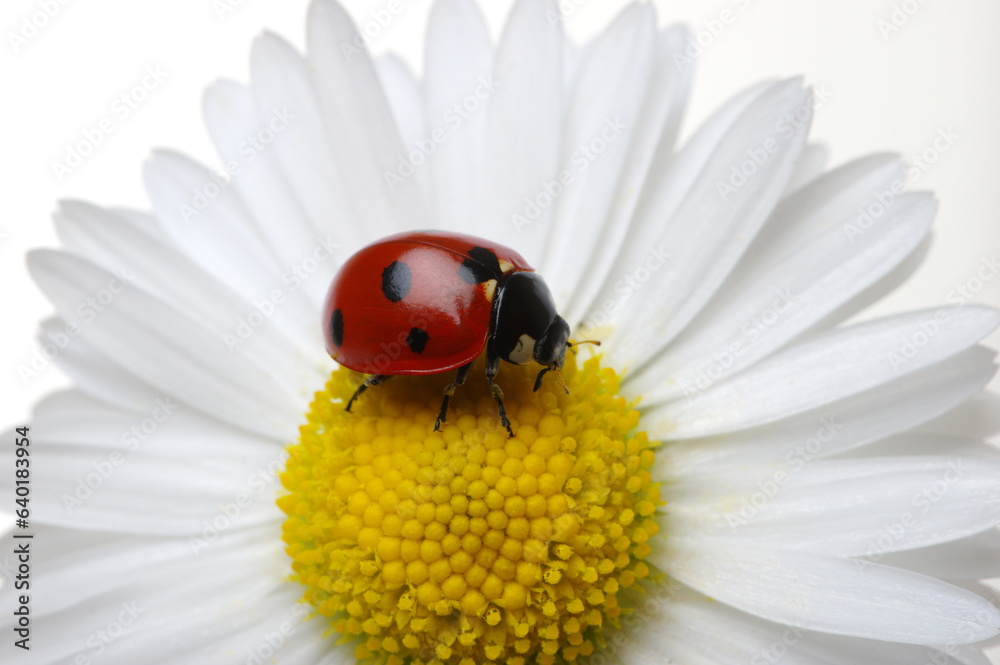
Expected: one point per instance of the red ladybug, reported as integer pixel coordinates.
(426, 302)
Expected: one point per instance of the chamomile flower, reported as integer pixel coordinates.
(733, 477)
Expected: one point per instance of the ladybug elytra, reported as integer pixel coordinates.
(427, 302)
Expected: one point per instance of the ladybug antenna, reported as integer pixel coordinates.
(583, 341)
(561, 382)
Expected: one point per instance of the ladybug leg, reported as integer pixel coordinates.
(492, 367)
(463, 372)
(374, 380)
(538, 381)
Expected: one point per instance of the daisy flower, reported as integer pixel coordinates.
(734, 477)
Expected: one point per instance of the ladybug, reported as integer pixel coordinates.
(427, 302)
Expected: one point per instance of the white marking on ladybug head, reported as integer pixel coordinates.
(524, 352)
(505, 265)
(489, 288)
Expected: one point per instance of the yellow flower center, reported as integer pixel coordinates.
(465, 546)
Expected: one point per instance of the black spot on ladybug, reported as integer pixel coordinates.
(337, 327)
(396, 281)
(417, 340)
(481, 266)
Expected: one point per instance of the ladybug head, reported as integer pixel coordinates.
(550, 349)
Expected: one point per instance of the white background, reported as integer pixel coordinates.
(889, 91)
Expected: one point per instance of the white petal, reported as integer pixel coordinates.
(165, 272)
(917, 442)
(693, 255)
(669, 180)
(812, 161)
(102, 582)
(83, 564)
(200, 226)
(844, 425)
(524, 123)
(286, 628)
(107, 428)
(689, 628)
(845, 508)
(92, 372)
(830, 594)
(363, 135)
(804, 264)
(977, 418)
(276, 332)
(458, 60)
(170, 352)
(70, 416)
(402, 92)
(168, 470)
(826, 368)
(807, 214)
(898, 276)
(262, 184)
(156, 609)
(81, 227)
(282, 82)
(417, 140)
(601, 123)
(762, 311)
(651, 149)
(673, 624)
